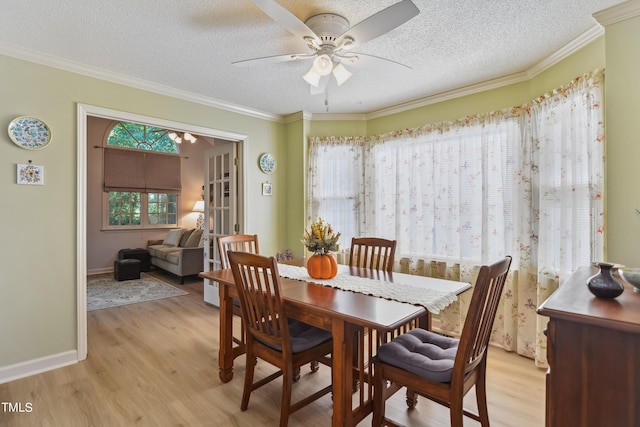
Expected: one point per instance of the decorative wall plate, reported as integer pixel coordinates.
(29, 133)
(267, 163)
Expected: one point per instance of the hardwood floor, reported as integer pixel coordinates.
(155, 364)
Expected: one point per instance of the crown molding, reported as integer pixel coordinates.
(569, 49)
(581, 41)
(614, 14)
(452, 94)
(74, 67)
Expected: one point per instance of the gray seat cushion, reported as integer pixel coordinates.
(303, 336)
(423, 353)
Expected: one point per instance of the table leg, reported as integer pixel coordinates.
(342, 373)
(225, 354)
(424, 321)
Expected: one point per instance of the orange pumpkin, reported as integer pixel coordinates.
(322, 266)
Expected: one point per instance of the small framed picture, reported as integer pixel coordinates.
(30, 174)
(267, 189)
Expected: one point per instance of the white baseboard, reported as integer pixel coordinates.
(37, 366)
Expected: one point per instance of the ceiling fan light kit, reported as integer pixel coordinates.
(329, 35)
(341, 74)
(312, 77)
(323, 65)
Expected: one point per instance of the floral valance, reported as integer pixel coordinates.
(592, 79)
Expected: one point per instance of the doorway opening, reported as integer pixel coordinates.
(84, 113)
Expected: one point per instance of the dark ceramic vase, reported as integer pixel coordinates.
(603, 284)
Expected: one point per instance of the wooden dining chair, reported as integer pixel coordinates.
(236, 242)
(242, 243)
(373, 253)
(271, 336)
(440, 368)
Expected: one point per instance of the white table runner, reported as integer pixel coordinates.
(431, 299)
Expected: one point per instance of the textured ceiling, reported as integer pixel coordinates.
(189, 45)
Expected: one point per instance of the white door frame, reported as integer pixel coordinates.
(84, 111)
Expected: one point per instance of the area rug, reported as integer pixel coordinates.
(105, 293)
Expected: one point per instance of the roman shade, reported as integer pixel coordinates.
(129, 170)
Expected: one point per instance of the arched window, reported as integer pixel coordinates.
(141, 137)
(141, 177)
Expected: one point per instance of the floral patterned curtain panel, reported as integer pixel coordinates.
(526, 182)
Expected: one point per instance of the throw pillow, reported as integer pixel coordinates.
(173, 238)
(194, 239)
(185, 237)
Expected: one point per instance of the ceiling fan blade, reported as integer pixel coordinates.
(367, 57)
(272, 59)
(322, 85)
(287, 19)
(379, 23)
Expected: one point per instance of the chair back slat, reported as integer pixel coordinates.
(259, 291)
(483, 307)
(238, 243)
(373, 253)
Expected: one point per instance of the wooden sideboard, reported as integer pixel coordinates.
(593, 347)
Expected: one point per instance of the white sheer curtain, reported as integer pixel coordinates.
(526, 182)
(335, 184)
(559, 222)
(442, 189)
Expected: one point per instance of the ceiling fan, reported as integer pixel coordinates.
(330, 38)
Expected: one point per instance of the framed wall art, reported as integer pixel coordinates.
(30, 174)
(267, 189)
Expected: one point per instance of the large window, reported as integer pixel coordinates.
(526, 180)
(141, 178)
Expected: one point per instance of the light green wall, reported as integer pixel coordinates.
(296, 186)
(337, 128)
(38, 268)
(483, 102)
(622, 100)
(37, 302)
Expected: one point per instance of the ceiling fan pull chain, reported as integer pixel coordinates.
(326, 99)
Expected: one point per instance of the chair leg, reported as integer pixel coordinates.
(379, 391)
(481, 398)
(287, 385)
(314, 366)
(456, 411)
(248, 381)
(412, 399)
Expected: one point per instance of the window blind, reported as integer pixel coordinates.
(128, 170)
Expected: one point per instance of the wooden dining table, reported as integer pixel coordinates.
(344, 313)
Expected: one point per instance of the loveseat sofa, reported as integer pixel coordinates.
(180, 253)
